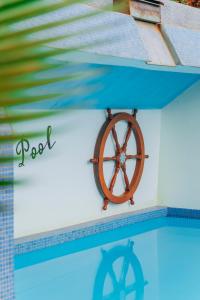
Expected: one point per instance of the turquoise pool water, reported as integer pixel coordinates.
(152, 260)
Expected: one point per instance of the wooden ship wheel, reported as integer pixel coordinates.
(120, 158)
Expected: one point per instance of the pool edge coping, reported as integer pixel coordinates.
(58, 236)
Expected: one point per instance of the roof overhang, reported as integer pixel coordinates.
(125, 83)
(131, 74)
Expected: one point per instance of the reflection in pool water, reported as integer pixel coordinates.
(116, 265)
(119, 275)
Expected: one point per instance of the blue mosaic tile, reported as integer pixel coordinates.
(6, 229)
(183, 213)
(56, 237)
(53, 238)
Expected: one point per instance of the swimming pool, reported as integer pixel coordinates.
(157, 259)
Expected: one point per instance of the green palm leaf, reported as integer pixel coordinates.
(25, 59)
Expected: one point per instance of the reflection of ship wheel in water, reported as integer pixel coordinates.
(121, 283)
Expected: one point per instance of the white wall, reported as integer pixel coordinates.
(62, 189)
(179, 184)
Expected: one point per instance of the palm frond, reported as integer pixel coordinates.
(27, 61)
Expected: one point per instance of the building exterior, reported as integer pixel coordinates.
(150, 61)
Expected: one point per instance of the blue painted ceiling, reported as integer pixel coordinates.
(128, 87)
(122, 87)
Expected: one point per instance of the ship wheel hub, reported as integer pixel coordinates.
(122, 158)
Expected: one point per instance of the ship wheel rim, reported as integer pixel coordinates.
(137, 174)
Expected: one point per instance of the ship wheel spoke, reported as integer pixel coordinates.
(128, 134)
(113, 278)
(114, 133)
(112, 183)
(124, 271)
(113, 180)
(136, 156)
(108, 158)
(130, 289)
(123, 167)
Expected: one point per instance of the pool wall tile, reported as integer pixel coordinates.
(55, 237)
(43, 240)
(183, 213)
(6, 227)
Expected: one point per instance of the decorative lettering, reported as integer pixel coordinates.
(23, 147)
